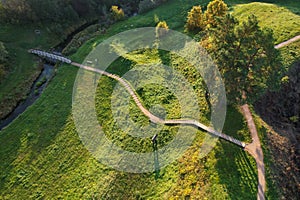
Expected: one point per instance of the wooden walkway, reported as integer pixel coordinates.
(156, 119)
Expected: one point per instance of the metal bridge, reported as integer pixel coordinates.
(132, 92)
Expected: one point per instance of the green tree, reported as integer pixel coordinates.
(215, 9)
(195, 20)
(246, 57)
(117, 13)
(161, 29)
(15, 10)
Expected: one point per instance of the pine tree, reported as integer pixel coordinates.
(215, 9)
(195, 20)
(246, 57)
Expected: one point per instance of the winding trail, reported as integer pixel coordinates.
(154, 118)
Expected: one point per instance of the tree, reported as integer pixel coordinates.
(15, 10)
(3, 60)
(117, 13)
(3, 53)
(161, 29)
(215, 9)
(195, 20)
(246, 57)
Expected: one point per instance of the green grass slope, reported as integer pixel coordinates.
(23, 68)
(42, 156)
(282, 21)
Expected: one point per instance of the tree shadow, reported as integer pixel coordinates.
(237, 171)
(35, 130)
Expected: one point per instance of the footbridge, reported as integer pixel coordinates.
(51, 56)
(133, 94)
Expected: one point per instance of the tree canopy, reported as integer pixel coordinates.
(215, 9)
(198, 21)
(59, 11)
(246, 57)
(244, 52)
(195, 20)
(117, 13)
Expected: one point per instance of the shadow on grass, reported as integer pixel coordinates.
(35, 129)
(236, 169)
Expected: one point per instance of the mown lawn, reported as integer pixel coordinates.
(42, 156)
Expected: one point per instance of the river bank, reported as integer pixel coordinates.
(15, 103)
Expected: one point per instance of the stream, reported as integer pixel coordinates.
(41, 82)
(35, 92)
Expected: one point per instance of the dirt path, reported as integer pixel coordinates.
(256, 151)
(255, 147)
(294, 39)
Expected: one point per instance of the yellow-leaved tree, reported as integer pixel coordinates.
(195, 20)
(162, 29)
(215, 9)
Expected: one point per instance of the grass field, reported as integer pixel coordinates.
(42, 156)
(23, 68)
(282, 21)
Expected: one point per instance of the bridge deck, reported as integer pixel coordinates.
(50, 56)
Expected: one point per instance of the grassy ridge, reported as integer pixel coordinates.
(42, 156)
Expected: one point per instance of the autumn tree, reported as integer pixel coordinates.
(195, 20)
(215, 9)
(161, 29)
(117, 13)
(246, 57)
